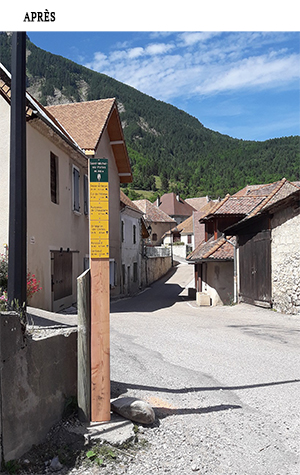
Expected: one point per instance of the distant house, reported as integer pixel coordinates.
(175, 207)
(198, 203)
(157, 221)
(97, 129)
(181, 237)
(215, 259)
(133, 232)
(57, 219)
(269, 251)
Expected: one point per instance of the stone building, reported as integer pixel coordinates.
(269, 251)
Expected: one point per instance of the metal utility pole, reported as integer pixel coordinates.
(17, 262)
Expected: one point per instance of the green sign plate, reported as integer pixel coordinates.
(98, 170)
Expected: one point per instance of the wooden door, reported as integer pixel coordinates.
(61, 277)
(255, 268)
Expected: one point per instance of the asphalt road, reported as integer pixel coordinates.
(224, 381)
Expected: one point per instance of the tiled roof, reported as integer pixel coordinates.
(219, 249)
(197, 203)
(186, 227)
(125, 201)
(152, 213)
(238, 205)
(283, 190)
(175, 207)
(35, 110)
(251, 199)
(257, 190)
(84, 120)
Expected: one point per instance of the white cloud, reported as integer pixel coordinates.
(191, 38)
(159, 48)
(135, 52)
(261, 71)
(194, 63)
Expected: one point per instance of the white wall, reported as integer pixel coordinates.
(131, 252)
(4, 170)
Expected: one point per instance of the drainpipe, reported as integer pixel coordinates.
(234, 269)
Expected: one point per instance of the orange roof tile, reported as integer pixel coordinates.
(85, 121)
(197, 203)
(186, 227)
(127, 202)
(152, 213)
(219, 249)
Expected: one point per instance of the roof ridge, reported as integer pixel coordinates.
(81, 102)
(215, 247)
(268, 198)
(216, 206)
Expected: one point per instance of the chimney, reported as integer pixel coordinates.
(177, 197)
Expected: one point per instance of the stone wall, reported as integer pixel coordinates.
(154, 268)
(36, 379)
(286, 261)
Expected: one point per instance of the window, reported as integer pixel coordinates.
(86, 194)
(189, 239)
(134, 234)
(54, 177)
(122, 231)
(76, 188)
(154, 237)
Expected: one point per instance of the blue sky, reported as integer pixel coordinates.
(243, 84)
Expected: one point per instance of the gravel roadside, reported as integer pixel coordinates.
(224, 383)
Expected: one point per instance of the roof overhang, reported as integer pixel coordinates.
(117, 142)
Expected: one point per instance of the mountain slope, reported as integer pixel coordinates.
(161, 139)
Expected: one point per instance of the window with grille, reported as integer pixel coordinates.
(122, 231)
(86, 195)
(54, 177)
(134, 234)
(76, 188)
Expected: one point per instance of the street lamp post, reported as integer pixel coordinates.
(17, 263)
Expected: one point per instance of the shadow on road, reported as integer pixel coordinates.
(161, 294)
(162, 412)
(119, 388)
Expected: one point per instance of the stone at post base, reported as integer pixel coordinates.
(134, 409)
(202, 299)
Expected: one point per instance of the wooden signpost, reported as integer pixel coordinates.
(100, 300)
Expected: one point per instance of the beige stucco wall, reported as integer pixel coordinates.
(104, 150)
(285, 252)
(218, 282)
(49, 226)
(4, 170)
(160, 229)
(53, 226)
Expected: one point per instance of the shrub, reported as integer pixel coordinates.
(33, 285)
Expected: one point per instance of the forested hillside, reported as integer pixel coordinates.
(162, 140)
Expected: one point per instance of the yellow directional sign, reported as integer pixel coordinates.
(99, 208)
